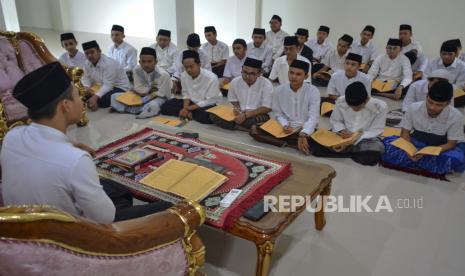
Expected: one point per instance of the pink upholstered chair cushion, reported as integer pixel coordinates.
(29, 56)
(14, 110)
(30, 258)
(10, 73)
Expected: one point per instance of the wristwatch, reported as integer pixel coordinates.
(301, 134)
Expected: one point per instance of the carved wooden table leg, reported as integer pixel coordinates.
(320, 220)
(264, 252)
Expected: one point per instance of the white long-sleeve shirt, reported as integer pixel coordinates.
(217, 52)
(203, 90)
(339, 81)
(166, 57)
(280, 69)
(456, 71)
(233, 67)
(145, 82)
(276, 40)
(319, 50)
(367, 51)
(77, 61)
(371, 119)
(259, 94)
(41, 166)
(414, 45)
(263, 53)
(205, 63)
(417, 92)
(108, 73)
(398, 69)
(125, 54)
(333, 60)
(297, 109)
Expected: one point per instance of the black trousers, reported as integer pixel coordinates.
(219, 70)
(105, 100)
(174, 106)
(123, 201)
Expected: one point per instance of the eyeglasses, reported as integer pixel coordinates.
(249, 74)
(392, 48)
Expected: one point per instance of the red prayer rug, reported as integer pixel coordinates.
(255, 176)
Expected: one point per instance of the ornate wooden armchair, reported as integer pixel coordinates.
(21, 53)
(41, 240)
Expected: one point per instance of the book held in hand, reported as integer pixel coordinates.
(326, 107)
(411, 150)
(274, 128)
(331, 139)
(384, 86)
(391, 131)
(130, 98)
(184, 179)
(225, 112)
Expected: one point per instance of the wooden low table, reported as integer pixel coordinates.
(308, 179)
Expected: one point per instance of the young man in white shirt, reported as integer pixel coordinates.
(72, 57)
(59, 172)
(365, 47)
(166, 51)
(341, 79)
(200, 91)
(333, 60)
(320, 45)
(234, 64)
(150, 82)
(302, 48)
(258, 49)
(193, 44)
(356, 111)
(250, 95)
(122, 51)
(433, 122)
(418, 91)
(449, 62)
(280, 70)
(392, 66)
(296, 106)
(217, 51)
(104, 72)
(275, 36)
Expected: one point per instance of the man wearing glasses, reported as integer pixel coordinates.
(250, 95)
(392, 66)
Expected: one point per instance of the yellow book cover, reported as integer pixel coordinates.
(167, 121)
(411, 150)
(184, 179)
(225, 112)
(94, 88)
(330, 139)
(326, 107)
(130, 98)
(362, 66)
(458, 93)
(227, 86)
(384, 86)
(391, 131)
(274, 128)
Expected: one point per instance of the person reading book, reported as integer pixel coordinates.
(200, 91)
(151, 87)
(40, 165)
(333, 61)
(432, 122)
(341, 79)
(356, 112)
(296, 106)
(393, 68)
(250, 96)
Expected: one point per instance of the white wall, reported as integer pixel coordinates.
(220, 13)
(136, 16)
(34, 13)
(8, 16)
(432, 21)
(165, 17)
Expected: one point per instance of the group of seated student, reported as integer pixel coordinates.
(275, 76)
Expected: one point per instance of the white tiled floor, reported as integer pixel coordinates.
(423, 242)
